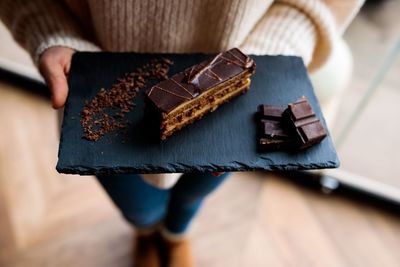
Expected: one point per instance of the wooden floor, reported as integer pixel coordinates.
(254, 219)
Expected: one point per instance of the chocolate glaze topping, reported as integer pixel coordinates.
(188, 84)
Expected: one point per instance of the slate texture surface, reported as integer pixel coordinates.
(224, 140)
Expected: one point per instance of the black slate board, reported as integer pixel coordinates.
(224, 140)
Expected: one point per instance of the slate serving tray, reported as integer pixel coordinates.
(224, 140)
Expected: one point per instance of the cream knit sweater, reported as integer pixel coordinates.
(305, 28)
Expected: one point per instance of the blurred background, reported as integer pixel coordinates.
(344, 217)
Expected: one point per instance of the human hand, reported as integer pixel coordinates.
(54, 65)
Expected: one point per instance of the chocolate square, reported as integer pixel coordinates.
(272, 134)
(300, 119)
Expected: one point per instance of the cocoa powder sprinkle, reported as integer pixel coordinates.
(107, 110)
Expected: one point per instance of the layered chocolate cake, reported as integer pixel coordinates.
(187, 96)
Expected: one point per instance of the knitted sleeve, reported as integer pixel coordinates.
(40, 24)
(304, 28)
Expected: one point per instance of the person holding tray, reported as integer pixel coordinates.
(161, 207)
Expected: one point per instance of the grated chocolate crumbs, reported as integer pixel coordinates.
(106, 111)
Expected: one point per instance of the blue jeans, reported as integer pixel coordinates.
(145, 205)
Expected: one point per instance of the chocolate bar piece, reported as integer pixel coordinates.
(300, 119)
(202, 88)
(270, 112)
(272, 134)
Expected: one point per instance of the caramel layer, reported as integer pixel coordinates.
(221, 95)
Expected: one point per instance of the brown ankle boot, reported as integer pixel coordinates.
(177, 253)
(146, 250)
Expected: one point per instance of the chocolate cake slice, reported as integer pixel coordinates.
(187, 96)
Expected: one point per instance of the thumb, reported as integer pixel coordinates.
(56, 79)
(54, 65)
